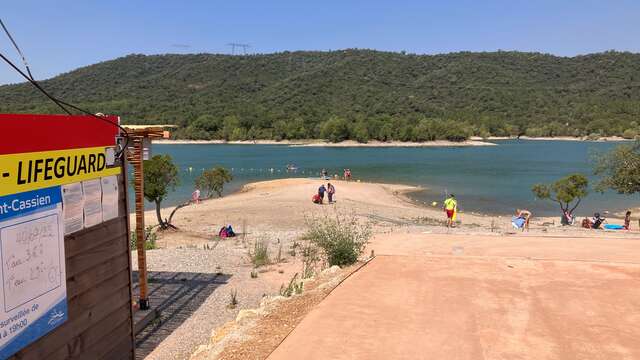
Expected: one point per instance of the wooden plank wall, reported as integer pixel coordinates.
(99, 324)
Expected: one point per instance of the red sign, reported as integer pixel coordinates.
(22, 133)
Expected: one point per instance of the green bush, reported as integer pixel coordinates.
(260, 254)
(150, 236)
(341, 237)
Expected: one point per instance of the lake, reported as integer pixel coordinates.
(488, 179)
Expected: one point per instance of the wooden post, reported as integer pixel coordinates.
(138, 176)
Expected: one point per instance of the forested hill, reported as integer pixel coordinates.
(359, 94)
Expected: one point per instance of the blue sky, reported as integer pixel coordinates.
(58, 36)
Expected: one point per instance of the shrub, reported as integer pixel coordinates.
(342, 238)
(150, 239)
(294, 287)
(260, 254)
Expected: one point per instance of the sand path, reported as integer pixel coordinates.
(480, 297)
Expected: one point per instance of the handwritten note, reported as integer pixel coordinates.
(31, 259)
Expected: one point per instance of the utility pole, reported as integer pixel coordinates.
(244, 48)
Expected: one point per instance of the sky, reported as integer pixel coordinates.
(62, 35)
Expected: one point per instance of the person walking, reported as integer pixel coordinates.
(321, 191)
(195, 196)
(331, 190)
(450, 207)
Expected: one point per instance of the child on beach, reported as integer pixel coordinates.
(450, 207)
(331, 190)
(195, 196)
(627, 220)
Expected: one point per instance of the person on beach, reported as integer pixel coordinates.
(627, 220)
(450, 207)
(331, 190)
(195, 196)
(526, 216)
(321, 191)
(323, 173)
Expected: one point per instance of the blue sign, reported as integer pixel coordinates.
(33, 293)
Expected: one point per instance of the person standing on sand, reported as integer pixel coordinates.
(321, 191)
(450, 207)
(331, 190)
(627, 220)
(195, 196)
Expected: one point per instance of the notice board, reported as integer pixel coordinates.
(66, 268)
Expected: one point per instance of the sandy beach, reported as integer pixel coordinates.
(282, 206)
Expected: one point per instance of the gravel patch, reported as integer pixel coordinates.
(210, 272)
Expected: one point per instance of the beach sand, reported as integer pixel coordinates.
(283, 205)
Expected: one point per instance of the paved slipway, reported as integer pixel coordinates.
(428, 296)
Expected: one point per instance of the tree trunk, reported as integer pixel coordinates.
(160, 222)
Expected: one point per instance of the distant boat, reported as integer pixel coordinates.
(291, 167)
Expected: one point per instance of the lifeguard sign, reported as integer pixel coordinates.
(63, 237)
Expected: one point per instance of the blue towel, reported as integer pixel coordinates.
(613, 227)
(518, 222)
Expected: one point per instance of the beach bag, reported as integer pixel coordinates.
(223, 232)
(315, 199)
(230, 232)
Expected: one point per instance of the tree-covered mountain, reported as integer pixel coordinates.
(358, 94)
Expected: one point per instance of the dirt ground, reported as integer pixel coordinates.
(473, 297)
(275, 212)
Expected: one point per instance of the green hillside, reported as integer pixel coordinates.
(358, 94)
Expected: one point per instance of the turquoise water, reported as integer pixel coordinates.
(491, 179)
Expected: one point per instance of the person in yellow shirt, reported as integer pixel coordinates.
(450, 207)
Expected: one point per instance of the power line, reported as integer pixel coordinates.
(24, 60)
(244, 48)
(58, 102)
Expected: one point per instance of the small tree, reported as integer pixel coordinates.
(160, 177)
(568, 192)
(213, 180)
(619, 169)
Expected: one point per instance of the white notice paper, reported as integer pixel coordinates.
(109, 197)
(92, 196)
(72, 204)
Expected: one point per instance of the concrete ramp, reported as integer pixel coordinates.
(457, 307)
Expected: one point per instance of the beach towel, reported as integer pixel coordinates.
(455, 215)
(613, 227)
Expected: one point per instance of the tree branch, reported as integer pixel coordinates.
(168, 222)
(578, 203)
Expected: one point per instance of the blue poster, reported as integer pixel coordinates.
(33, 295)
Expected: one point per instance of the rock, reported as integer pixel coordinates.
(335, 269)
(269, 300)
(246, 314)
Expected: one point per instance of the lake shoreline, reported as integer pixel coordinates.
(321, 143)
(472, 141)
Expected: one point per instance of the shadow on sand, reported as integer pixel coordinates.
(174, 296)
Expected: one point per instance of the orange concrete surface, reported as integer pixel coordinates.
(488, 302)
